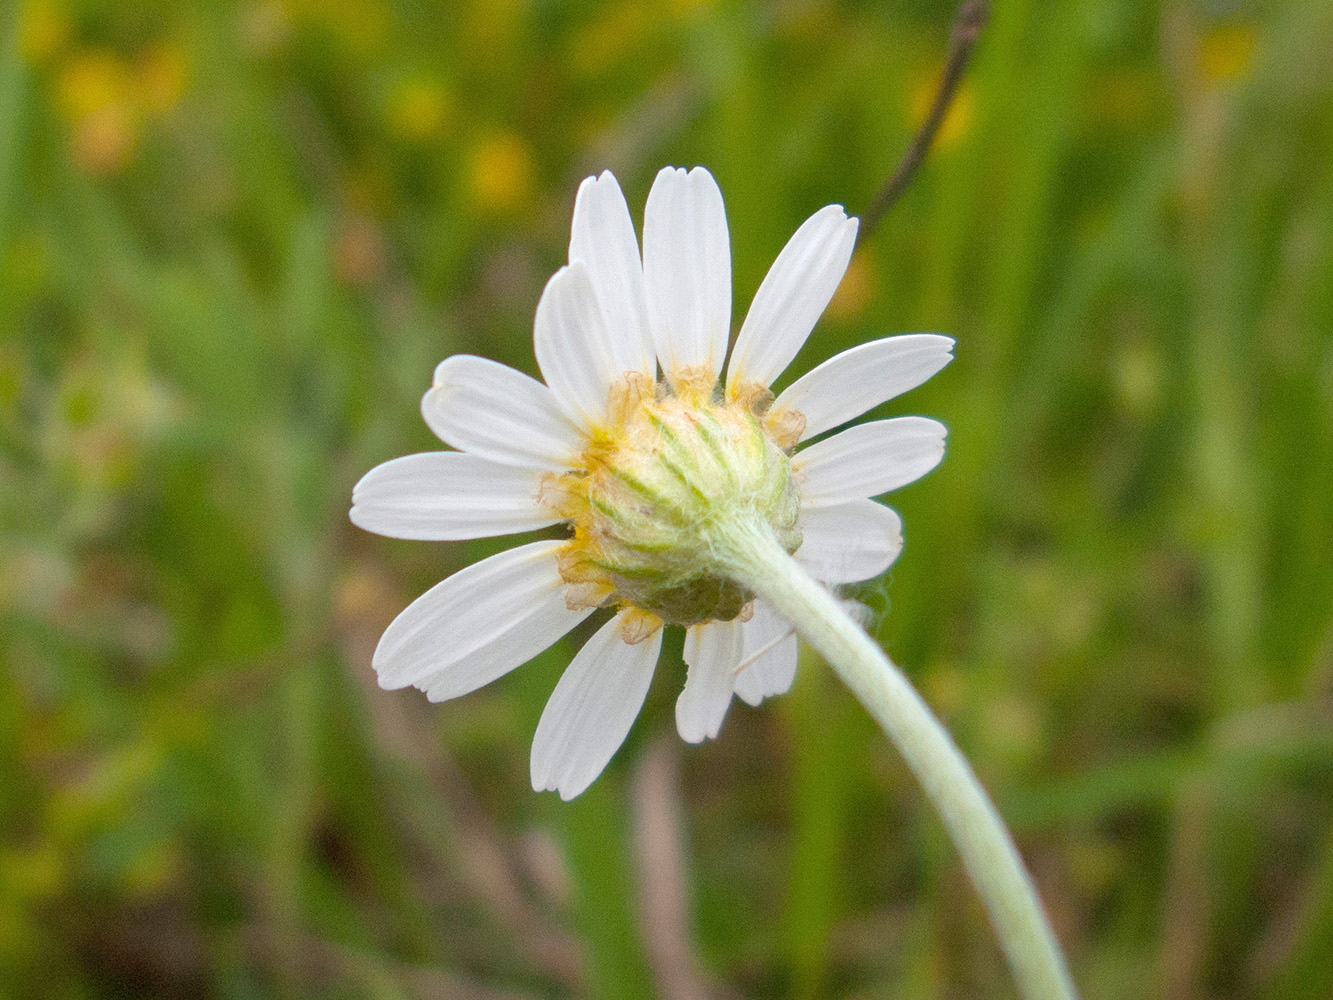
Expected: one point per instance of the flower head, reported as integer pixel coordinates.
(656, 465)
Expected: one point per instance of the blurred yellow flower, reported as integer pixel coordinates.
(104, 142)
(857, 289)
(160, 75)
(957, 120)
(1225, 53)
(91, 81)
(44, 31)
(95, 93)
(105, 100)
(418, 110)
(499, 174)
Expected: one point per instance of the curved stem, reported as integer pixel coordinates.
(761, 565)
(967, 24)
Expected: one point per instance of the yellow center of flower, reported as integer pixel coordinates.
(657, 492)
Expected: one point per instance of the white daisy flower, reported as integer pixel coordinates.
(650, 473)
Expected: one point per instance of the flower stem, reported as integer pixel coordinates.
(761, 565)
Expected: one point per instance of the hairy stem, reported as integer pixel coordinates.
(761, 565)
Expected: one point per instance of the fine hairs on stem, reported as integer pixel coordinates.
(987, 849)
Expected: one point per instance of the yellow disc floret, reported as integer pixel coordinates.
(657, 493)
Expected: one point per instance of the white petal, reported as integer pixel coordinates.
(687, 269)
(792, 297)
(869, 459)
(850, 542)
(848, 384)
(448, 495)
(713, 651)
(602, 239)
(489, 409)
(574, 349)
(545, 621)
(494, 600)
(768, 655)
(591, 710)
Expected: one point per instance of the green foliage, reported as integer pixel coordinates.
(236, 237)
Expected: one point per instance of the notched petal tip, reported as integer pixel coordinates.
(792, 297)
(449, 371)
(606, 177)
(687, 269)
(444, 383)
(385, 677)
(693, 737)
(689, 727)
(939, 344)
(566, 789)
(585, 185)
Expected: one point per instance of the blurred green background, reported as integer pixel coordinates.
(235, 237)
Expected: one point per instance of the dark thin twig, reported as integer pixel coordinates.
(967, 24)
